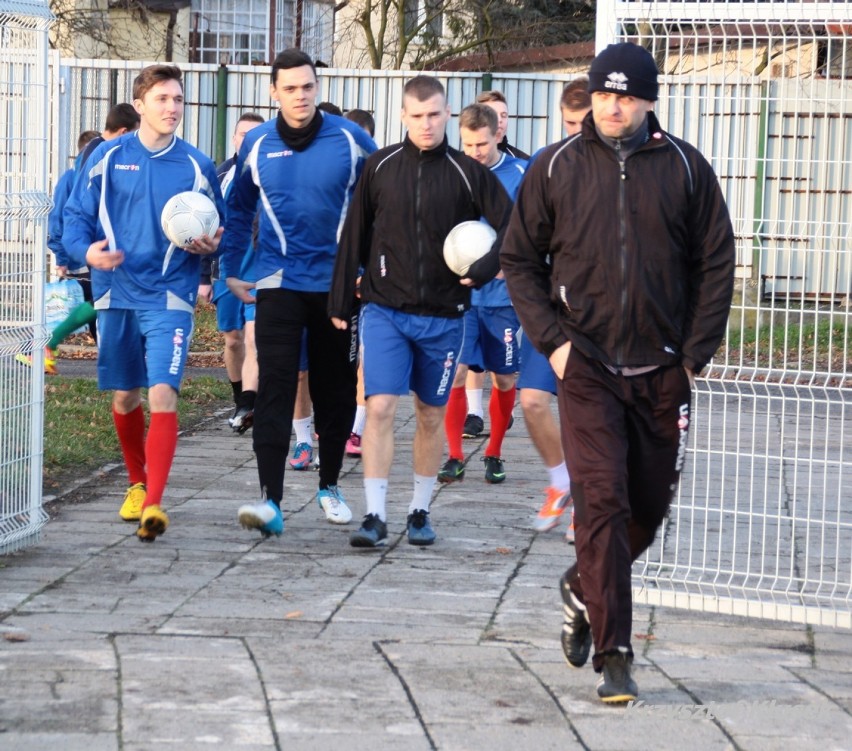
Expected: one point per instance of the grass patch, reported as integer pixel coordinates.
(78, 430)
(206, 337)
(821, 343)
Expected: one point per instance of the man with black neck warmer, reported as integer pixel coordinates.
(633, 306)
(298, 171)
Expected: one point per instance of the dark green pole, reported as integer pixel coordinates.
(759, 186)
(222, 114)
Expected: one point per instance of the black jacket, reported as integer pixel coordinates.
(514, 151)
(405, 203)
(642, 252)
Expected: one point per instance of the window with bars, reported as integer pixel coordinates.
(231, 32)
(424, 14)
(236, 32)
(317, 30)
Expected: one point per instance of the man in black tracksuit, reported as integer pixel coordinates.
(634, 304)
(408, 199)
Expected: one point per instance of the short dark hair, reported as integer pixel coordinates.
(478, 116)
(85, 138)
(423, 88)
(251, 117)
(291, 58)
(332, 109)
(491, 96)
(576, 96)
(154, 74)
(362, 118)
(122, 116)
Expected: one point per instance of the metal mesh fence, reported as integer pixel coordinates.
(24, 205)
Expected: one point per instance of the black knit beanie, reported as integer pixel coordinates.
(626, 69)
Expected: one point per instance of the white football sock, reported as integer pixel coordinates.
(304, 432)
(376, 490)
(423, 487)
(360, 419)
(474, 402)
(559, 477)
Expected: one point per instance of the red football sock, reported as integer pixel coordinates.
(160, 451)
(130, 429)
(499, 411)
(454, 422)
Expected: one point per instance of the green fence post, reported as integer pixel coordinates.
(759, 187)
(222, 114)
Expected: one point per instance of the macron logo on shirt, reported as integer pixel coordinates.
(127, 167)
(275, 154)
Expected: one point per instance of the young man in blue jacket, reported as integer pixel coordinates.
(144, 287)
(490, 326)
(235, 318)
(302, 166)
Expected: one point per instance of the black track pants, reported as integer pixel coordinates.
(281, 317)
(625, 442)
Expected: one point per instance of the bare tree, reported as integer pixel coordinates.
(423, 33)
(119, 29)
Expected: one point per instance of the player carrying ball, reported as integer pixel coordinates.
(144, 287)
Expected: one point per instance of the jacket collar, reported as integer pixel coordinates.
(438, 152)
(656, 135)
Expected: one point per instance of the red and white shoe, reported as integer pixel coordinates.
(555, 503)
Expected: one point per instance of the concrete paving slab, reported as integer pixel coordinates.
(212, 637)
(65, 740)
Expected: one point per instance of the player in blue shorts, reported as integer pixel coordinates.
(537, 381)
(412, 320)
(235, 318)
(143, 286)
(536, 384)
(491, 326)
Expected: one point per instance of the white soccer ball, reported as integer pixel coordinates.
(189, 215)
(466, 244)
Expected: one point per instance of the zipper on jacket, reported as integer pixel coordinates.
(420, 295)
(622, 228)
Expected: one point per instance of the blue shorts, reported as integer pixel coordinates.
(231, 312)
(404, 352)
(536, 372)
(491, 340)
(142, 348)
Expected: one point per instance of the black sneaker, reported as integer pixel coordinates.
(576, 631)
(473, 426)
(242, 420)
(494, 471)
(420, 532)
(615, 686)
(372, 534)
(452, 471)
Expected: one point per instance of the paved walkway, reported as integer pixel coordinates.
(214, 638)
